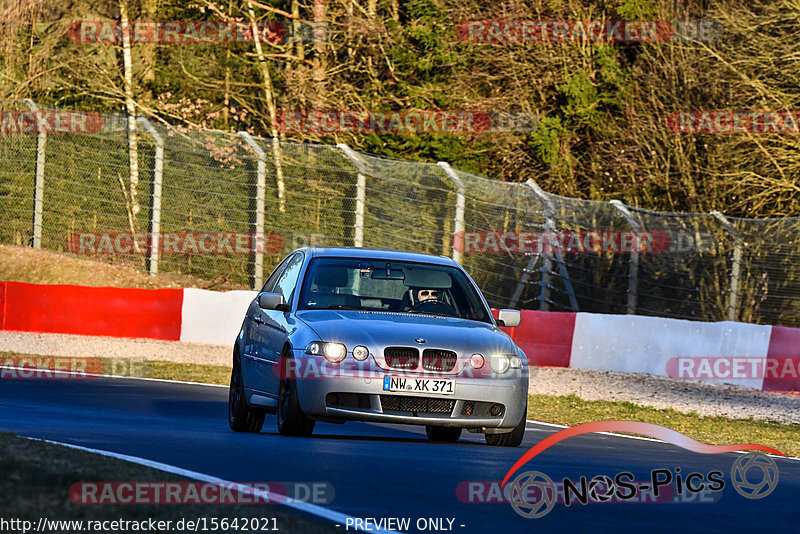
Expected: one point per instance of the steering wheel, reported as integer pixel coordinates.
(436, 306)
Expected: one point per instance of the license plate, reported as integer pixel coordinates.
(439, 386)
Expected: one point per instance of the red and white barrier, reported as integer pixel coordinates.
(753, 356)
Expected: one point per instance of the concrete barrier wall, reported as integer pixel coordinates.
(747, 355)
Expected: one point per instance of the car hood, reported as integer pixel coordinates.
(377, 329)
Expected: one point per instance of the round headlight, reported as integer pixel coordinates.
(477, 361)
(360, 353)
(500, 363)
(335, 352)
(314, 348)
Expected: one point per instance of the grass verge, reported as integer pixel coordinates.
(571, 410)
(37, 477)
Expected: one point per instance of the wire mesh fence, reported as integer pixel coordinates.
(226, 207)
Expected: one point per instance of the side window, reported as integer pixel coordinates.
(288, 279)
(274, 276)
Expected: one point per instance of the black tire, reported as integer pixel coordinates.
(241, 418)
(291, 419)
(444, 434)
(510, 439)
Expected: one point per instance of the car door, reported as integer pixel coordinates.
(254, 346)
(272, 327)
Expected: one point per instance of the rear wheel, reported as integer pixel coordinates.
(446, 434)
(510, 439)
(291, 419)
(241, 418)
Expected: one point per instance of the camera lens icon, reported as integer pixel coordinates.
(754, 475)
(537, 487)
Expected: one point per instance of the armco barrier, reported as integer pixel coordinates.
(93, 311)
(638, 344)
(784, 343)
(622, 343)
(546, 337)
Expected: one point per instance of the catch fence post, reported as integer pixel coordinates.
(461, 200)
(733, 295)
(633, 264)
(550, 228)
(38, 187)
(361, 193)
(155, 212)
(261, 188)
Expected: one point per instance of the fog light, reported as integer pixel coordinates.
(333, 399)
(495, 410)
(477, 361)
(360, 353)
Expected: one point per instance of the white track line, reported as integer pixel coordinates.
(338, 518)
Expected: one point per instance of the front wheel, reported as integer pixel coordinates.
(510, 439)
(291, 419)
(241, 418)
(445, 434)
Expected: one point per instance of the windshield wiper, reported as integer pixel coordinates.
(431, 313)
(343, 307)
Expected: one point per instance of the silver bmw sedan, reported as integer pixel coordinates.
(345, 334)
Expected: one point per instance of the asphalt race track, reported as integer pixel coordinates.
(379, 470)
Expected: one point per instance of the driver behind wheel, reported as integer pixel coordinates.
(425, 294)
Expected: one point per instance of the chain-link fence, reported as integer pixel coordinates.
(227, 207)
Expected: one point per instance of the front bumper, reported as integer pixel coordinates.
(363, 399)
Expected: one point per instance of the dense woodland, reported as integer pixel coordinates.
(601, 131)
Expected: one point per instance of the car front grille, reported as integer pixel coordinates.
(398, 403)
(348, 400)
(439, 360)
(401, 357)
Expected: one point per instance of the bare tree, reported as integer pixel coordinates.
(133, 145)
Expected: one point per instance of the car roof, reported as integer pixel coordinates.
(376, 254)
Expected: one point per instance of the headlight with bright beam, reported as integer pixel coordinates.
(333, 352)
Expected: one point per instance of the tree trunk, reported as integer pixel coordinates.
(320, 34)
(133, 147)
(147, 51)
(273, 115)
(299, 34)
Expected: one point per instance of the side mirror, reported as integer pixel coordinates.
(509, 318)
(271, 301)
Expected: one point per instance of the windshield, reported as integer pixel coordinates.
(399, 286)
